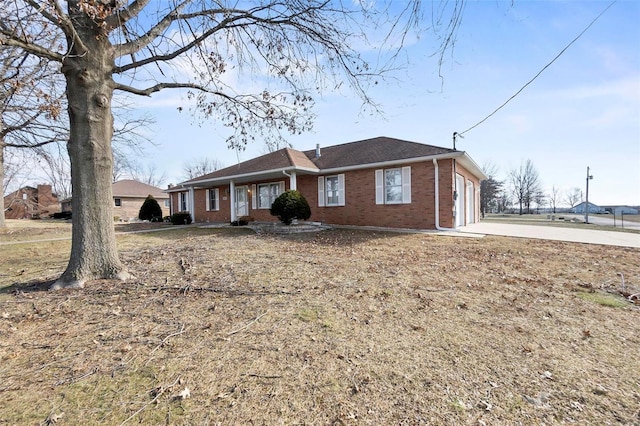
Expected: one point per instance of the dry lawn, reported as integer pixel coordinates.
(223, 326)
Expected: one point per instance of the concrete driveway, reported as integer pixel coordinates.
(588, 236)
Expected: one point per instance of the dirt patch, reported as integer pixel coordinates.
(341, 327)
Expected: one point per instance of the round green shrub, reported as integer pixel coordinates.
(150, 210)
(181, 218)
(290, 205)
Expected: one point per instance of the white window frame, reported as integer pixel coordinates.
(167, 203)
(183, 202)
(323, 192)
(215, 194)
(271, 195)
(381, 189)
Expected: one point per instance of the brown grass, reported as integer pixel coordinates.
(342, 327)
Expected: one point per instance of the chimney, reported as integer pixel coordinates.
(317, 150)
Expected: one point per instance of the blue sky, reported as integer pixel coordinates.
(584, 110)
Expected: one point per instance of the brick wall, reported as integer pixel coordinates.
(130, 208)
(360, 194)
(28, 202)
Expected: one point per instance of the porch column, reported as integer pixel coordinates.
(293, 185)
(192, 207)
(232, 200)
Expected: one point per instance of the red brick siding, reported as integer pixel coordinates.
(360, 204)
(361, 209)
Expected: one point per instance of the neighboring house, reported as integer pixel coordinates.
(29, 203)
(619, 210)
(581, 208)
(128, 196)
(381, 182)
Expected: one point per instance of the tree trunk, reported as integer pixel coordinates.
(89, 92)
(2, 221)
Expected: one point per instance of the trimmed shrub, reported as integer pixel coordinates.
(150, 210)
(290, 205)
(181, 218)
(242, 221)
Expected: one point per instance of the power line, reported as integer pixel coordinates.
(538, 74)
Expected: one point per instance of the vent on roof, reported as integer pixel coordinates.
(317, 150)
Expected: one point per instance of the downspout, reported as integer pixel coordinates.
(437, 203)
(293, 184)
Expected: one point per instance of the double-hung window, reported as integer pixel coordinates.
(268, 192)
(213, 199)
(331, 191)
(393, 186)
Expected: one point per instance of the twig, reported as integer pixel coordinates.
(158, 395)
(262, 376)
(182, 330)
(220, 290)
(246, 325)
(94, 370)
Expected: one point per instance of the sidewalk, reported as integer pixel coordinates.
(556, 233)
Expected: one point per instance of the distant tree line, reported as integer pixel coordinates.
(522, 192)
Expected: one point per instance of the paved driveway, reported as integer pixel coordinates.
(588, 236)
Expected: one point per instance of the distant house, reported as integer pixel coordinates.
(619, 210)
(29, 203)
(581, 208)
(128, 196)
(382, 182)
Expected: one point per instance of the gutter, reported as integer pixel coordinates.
(437, 196)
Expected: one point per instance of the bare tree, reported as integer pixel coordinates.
(148, 174)
(200, 166)
(554, 198)
(503, 202)
(298, 47)
(574, 197)
(525, 184)
(489, 188)
(30, 105)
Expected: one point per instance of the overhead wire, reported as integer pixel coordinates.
(538, 74)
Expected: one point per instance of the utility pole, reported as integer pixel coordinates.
(586, 209)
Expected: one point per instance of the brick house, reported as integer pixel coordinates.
(128, 196)
(29, 202)
(382, 182)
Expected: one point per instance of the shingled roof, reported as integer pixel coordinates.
(371, 151)
(354, 154)
(132, 188)
(282, 159)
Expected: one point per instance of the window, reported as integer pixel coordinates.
(167, 203)
(213, 199)
(267, 193)
(393, 186)
(184, 205)
(331, 191)
(117, 202)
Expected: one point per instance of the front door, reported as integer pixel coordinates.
(242, 204)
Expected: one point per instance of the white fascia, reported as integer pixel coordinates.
(223, 179)
(384, 164)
